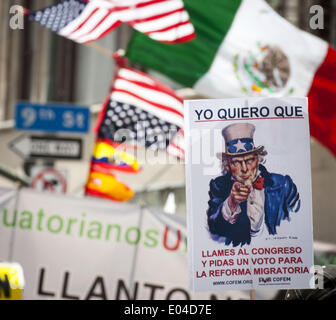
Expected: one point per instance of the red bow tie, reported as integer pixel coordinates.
(258, 183)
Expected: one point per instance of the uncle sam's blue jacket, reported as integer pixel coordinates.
(281, 197)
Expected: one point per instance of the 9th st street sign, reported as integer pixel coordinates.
(44, 147)
(52, 118)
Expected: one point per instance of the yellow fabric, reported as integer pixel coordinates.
(109, 186)
(115, 156)
(12, 282)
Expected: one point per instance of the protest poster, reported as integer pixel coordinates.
(249, 197)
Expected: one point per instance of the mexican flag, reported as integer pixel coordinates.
(244, 48)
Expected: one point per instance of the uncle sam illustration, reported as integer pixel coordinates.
(247, 200)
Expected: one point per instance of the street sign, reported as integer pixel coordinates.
(44, 147)
(49, 179)
(52, 118)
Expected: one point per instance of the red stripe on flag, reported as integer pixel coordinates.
(115, 25)
(156, 84)
(172, 144)
(322, 102)
(158, 16)
(182, 39)
(158, 105)
(85, 21)
(149, 3)
(169, 27)
(100, 22)
(139, 5)
(151, 87)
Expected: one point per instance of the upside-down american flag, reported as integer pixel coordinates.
(88, 20)
(145, 111)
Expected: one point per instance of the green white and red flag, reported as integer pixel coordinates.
(244, 48)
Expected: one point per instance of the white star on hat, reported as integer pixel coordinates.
(239, 145)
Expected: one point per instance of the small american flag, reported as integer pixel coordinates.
(151, 112)
(84, 21)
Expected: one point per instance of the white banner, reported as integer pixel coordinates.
(249, 198)
(73, 248)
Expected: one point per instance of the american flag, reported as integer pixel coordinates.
(176, 146)
(144, 111)
(84, 21)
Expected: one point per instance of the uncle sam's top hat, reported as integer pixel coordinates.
(239, 140)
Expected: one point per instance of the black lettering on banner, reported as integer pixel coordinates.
(153, 287)
(40, 289)
(99, 282)
(65, 287)
(122, 287)
(5, 287)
